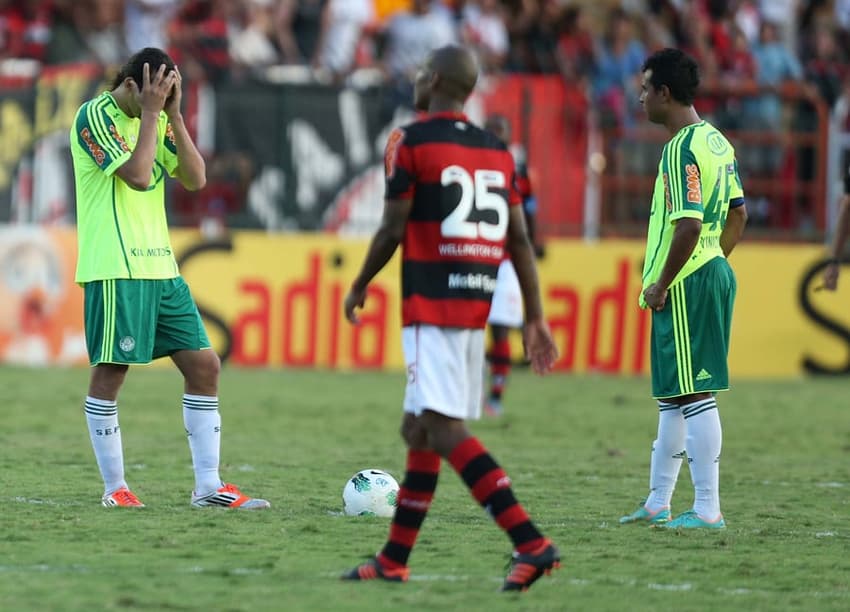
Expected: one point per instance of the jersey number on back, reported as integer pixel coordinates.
(475, 193)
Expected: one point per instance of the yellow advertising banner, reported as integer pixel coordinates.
(275, 300)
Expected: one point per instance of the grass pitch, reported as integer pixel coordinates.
(577, 449)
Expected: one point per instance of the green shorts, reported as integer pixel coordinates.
(690, 335)
(137, 321)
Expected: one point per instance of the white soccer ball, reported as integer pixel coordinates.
(370, 493)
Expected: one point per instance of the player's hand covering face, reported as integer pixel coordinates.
(155, 89)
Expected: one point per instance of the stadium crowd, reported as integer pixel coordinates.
(749, 51)
(601, 43)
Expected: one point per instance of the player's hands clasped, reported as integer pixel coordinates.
(655, 296)
(155, 89)
(540, 348)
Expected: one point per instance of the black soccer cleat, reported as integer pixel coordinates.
(373, 570)
(526, 568)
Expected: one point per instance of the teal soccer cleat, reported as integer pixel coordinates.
(691, 520)
(642, 515)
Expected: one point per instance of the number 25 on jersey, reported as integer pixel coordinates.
(475, 193)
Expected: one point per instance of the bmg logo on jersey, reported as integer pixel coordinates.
(96, 151)
(694, 186)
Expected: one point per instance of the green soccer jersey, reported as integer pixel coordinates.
(698, 178)
(121, 232)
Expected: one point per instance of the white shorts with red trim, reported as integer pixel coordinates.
(445, 370)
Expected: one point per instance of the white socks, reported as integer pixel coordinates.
(203, 426)
(102, 419)
(703, 443)
(666, 459)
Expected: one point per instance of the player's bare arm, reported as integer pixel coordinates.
(136, 171)
(191, 168)
(842, 229)
(736, 220)
(381, 249)
(685, 238)
(539, 345)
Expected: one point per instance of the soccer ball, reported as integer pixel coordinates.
(370, 493)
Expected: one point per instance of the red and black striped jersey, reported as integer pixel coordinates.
(461, 180)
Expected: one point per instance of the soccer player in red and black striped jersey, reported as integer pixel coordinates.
(452, 204)
(506, 308)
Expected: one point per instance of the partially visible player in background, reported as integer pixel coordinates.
(697, 217)
(506, 308)
(137, 306)
(842, 230)
(450, 202)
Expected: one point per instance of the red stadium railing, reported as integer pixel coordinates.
(597, 181)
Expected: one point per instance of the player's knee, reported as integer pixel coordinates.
(202, 372)
(106, 380)
(412, 432)
(213, 365)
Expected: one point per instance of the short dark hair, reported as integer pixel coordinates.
(675, 69)
(135, 65)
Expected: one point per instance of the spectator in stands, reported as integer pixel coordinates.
(104, 31)
(824, 72)
(783, 14)
(542, 39)
(299, 27)
(825, 67)
(776, 66)
(87, 31)
(409, 37)
(199, 38)
(738, 76)
(619, 58)
(721, 32)
(25, 29)
(748, 19)
(662, 24)
(146, 23)
(344, 24)
(576, 54)
(483, 30)
(251, 36)
(521, 16)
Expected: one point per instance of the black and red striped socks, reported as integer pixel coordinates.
(500, 367)
(491, 487)
(414, 499)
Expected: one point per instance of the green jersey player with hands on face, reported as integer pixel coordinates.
(137, 306)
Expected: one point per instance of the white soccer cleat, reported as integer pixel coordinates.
(229, 496)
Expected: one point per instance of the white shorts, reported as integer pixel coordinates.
(506, 308)
(445, 370)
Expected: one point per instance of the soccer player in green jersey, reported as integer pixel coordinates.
(697, 217)
(137, 306)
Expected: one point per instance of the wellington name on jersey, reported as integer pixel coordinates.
(461, 180)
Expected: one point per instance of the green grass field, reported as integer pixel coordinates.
(577, 449)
